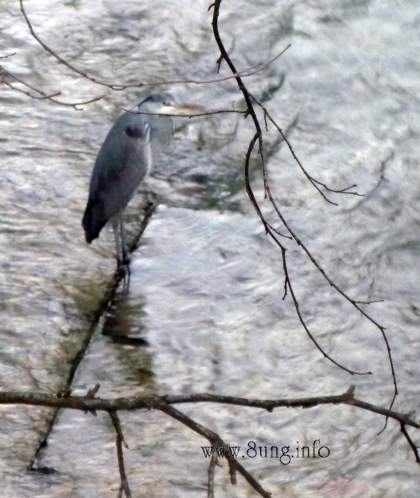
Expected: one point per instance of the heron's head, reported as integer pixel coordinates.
(166, 103)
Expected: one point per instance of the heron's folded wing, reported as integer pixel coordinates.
(122, 163)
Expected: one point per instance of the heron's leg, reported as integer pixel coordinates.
(124, 247)
(116, 221)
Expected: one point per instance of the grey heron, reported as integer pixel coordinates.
(124, 160)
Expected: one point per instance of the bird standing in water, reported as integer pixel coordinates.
(123, 162)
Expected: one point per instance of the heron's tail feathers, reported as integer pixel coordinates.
(93, 221)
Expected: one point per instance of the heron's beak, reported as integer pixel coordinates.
(183, 109)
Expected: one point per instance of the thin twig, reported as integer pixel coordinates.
(216, 441)
(41, 95)
(314, 182)
(258, 137)
(288, 283)
(381, 179)
(189, 116)
(287, 280)
(29, 94)
(124, 487)
(7, 55)
(247, 72)
(338, 289)
(410, 442)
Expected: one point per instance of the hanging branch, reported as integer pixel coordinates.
(37, 94)
(314, 182)
(245, 73)
(258, 137)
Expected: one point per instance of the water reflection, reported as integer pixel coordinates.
(123, 325)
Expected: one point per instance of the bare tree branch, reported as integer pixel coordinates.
(189, 116)
(165, 404)
(7, 55)
(40, 94)
(124, 487)
(216, 441)
(411, 442)
(288, 284)
(247, 72)
(258, 137)
(28, 94)
(382, 168)
(316, 183)
(85, 403)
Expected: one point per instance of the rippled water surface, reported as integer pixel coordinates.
(204, 311)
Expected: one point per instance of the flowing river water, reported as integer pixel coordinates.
(204, 312)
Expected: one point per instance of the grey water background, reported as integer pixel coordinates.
(206, 283)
